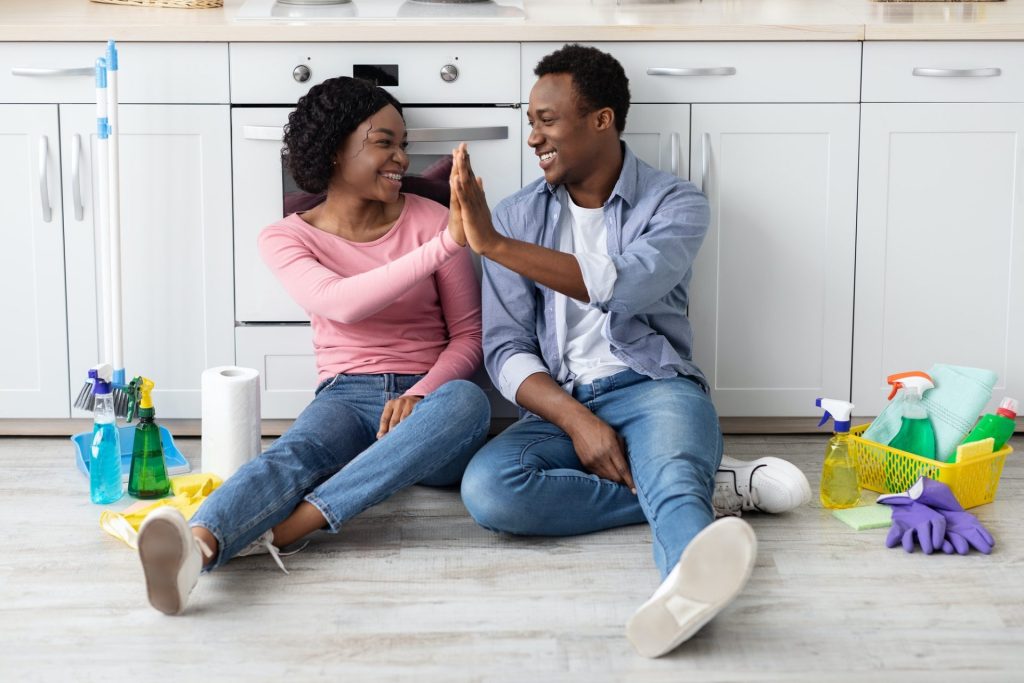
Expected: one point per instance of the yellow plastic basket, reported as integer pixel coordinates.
(887, 470)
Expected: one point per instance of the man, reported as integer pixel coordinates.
(584, 297)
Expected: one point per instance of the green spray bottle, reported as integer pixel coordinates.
(840, 487)
(916, 434)
(148, 478)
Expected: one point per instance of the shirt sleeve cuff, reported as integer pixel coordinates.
(451, 247)
(515, 371)
(599, 275)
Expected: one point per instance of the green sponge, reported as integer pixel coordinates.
(865, 517)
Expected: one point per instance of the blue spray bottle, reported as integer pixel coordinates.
(105, 484)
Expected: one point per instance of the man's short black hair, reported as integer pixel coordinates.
(599, 79)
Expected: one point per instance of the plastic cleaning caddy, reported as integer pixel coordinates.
(887, 470)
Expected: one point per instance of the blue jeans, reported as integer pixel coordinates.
(331, 457)
(528, 480)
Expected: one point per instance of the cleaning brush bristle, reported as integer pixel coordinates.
(85, 400)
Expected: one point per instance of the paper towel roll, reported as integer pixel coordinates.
(231, 419)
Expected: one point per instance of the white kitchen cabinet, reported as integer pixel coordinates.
(771, 300)
(658, 134)
(33, 346)
(176, 245)
(940, 244)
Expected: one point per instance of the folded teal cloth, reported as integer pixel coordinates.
(959, 396)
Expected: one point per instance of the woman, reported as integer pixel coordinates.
(395, 311)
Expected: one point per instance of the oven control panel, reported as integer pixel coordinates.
(448, 73)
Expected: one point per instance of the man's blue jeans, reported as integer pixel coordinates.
(332, 458)
(528, 480)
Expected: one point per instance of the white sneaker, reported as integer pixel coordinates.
(763, 485)
(171, 559)
(712, 571)
(264, 545)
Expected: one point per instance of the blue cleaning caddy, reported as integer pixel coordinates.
(176, 462)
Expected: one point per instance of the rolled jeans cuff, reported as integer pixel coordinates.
(325, 510)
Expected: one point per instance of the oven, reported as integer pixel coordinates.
(450, 93)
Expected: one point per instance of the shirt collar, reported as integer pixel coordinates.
(625, 186)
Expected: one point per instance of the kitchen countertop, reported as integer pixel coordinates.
(547, 20)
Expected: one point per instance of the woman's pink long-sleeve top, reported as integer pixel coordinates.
(406, 303)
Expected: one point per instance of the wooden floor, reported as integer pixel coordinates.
(413, 590)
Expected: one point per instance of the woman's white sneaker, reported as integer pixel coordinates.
(171, 559)
(764, 485)
(712, 570)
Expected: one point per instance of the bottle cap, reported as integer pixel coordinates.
(1008, 408)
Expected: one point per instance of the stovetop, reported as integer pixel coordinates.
(371, 10)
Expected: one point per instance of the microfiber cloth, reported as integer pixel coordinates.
(865, 517)
(959, 396)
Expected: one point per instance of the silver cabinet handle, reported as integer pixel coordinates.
(276, 133)
(674, 151)
(76, 175)
(987, 72)
(694, 71)
(705, 158)
(44, 177)
(458, 134)
(70, 71)
(263, 133)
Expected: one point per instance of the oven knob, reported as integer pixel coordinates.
(449, 73)
(301, 73)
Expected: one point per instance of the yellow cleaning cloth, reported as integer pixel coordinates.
(190, 490)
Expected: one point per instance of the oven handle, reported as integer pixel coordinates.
(276, 133)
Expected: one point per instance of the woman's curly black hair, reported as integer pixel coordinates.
(599, 79)
(322, 119)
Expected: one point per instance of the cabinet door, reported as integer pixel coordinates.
(658, 134)
(176, 246)
(940, 244)
(33, 346)
(771, 300)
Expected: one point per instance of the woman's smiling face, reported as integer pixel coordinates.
(372, 160)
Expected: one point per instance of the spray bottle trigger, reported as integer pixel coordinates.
(825, 418)
(133, 398)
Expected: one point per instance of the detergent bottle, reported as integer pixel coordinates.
(148, 477)
(840, 487)
(105, 484)
(916, 434)
(999, 426)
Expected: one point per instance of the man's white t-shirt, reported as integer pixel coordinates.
(587, 353)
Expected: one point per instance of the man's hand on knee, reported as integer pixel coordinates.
(602, 451)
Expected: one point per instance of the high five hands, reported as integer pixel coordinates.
(469, 217)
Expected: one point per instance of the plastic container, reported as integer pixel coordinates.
(888, 470)
(999, 425)
(176, 462)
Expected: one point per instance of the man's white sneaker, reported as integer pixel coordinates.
(712, 571)
(171, 559)
(762, 485)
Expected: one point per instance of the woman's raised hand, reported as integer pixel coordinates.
(469, 193)
(455, 228)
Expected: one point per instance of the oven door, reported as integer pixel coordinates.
(261, 185)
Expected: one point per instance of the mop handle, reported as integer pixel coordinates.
(114, 208)
(102, 133)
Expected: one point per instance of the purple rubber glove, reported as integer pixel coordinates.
(963, 531)
(913, 521)
(934, 494)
